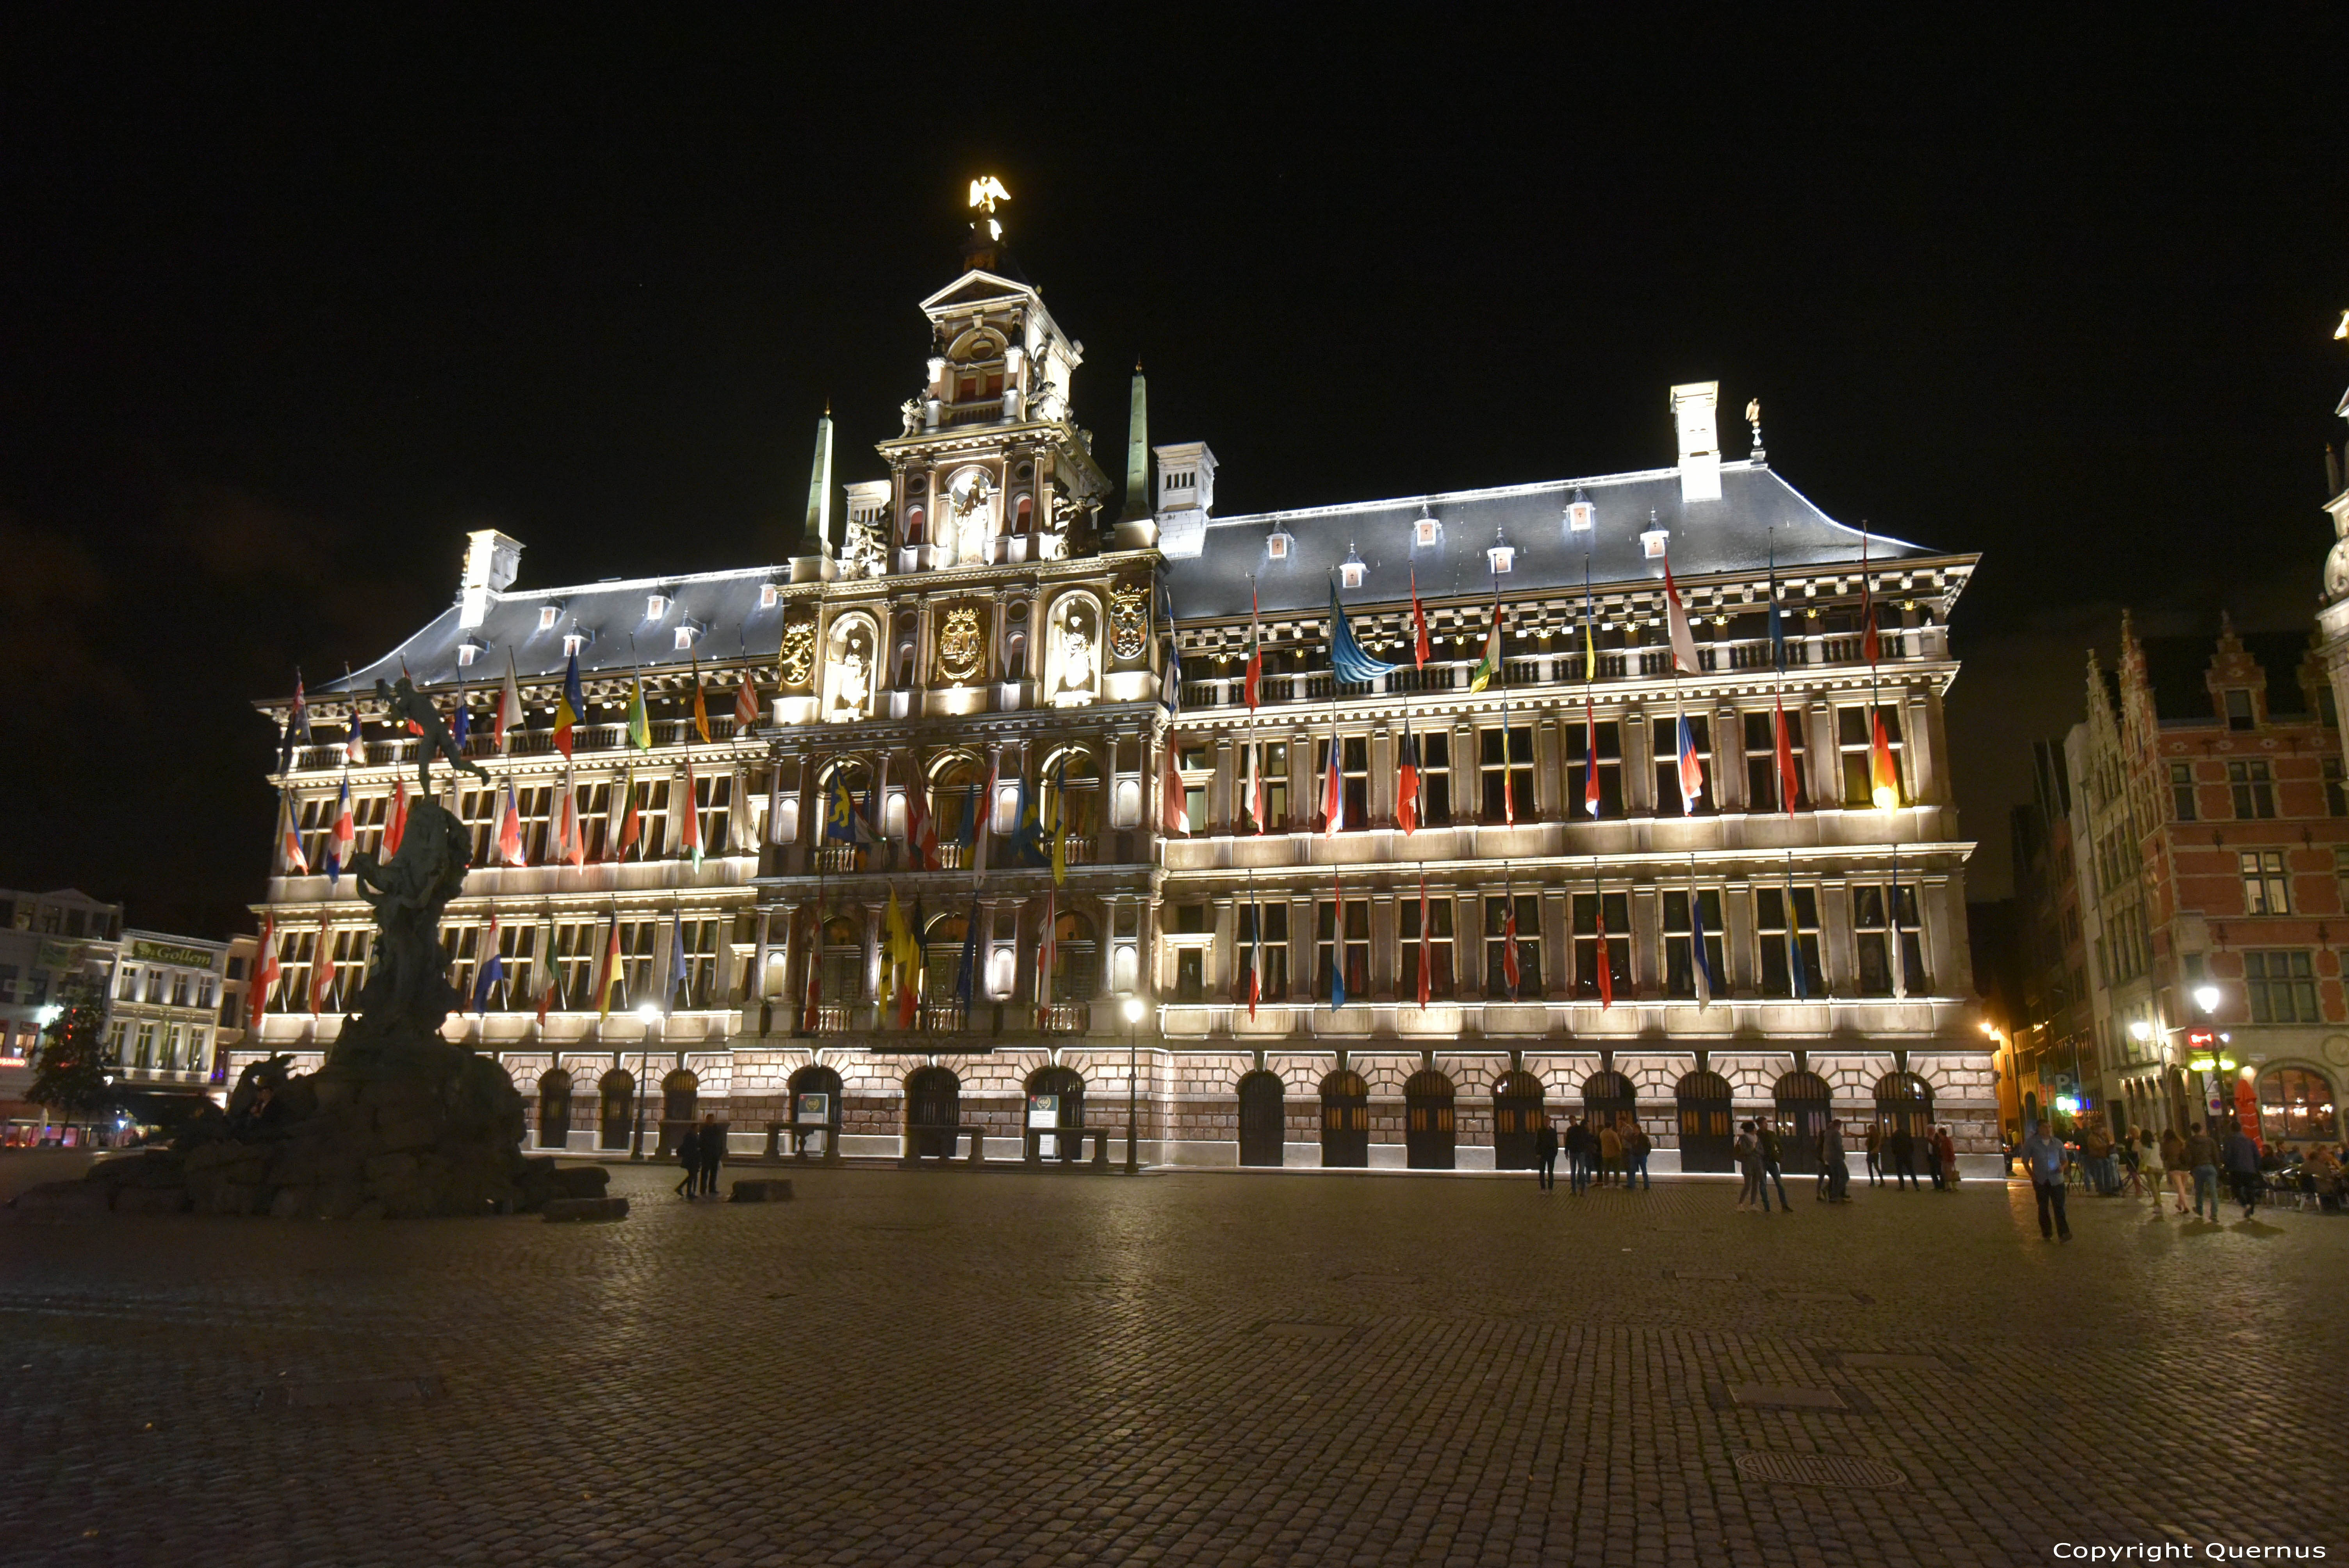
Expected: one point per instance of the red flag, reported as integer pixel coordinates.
(570, 844)
(1868, 646)
(746, 703)
(1508, 786)
(510, 847)
(1333, 791)
(266, 967)
(921, 828)
(1426, 952)
(1676, 622)
(395, 827)
(1510, 974)
(1407, 782)
(1421, 647)
(813, 1014)
(629, 825)
(1173, 801)
(1252, 688)
(1589, 757)
(1788, 788)
(1884, 778)
(322, 967)
(1605, 970)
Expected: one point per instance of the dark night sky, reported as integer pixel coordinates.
(291, 300)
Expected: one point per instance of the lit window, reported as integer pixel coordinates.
(1652, 543)
(768, 595)
(1501, 556)
(684, 638)
(574, 644)
(2296, 1106)
(655, 607)
(1350, 573)
(547, 616)
(1580, 515)
(2267, 888)
(1426, 531)
(466, 653)
(1276, 545)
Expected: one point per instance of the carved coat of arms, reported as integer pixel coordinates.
(798, 661)
(962, 652)
(1129, 621)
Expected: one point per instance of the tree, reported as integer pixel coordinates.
(72, 1074)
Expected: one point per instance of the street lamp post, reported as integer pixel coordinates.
(1133, 1065)
(651, 1016)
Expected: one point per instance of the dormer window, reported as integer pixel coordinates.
(1426, 531)
(466, 652)
(574, 644)
(1277, 544)
(1502, 557)
(655, 607)
(684, 638)
(1651, 543)
(547, 616)
(1351, 570)
(768, 595)
(1582, 517)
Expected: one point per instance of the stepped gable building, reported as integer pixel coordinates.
(999, 610)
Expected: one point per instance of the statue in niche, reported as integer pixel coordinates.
(970, 494)
(851, 678)
(1076, 655)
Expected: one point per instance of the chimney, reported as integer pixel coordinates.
(492, 560)
(1692, 416)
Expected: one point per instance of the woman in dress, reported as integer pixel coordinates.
(2173, 1160)
(2148, 1164)
(1748, 1151)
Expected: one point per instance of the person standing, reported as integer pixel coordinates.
(1637, 1146)
(2042, 1157)
(1773, 1168)
(2173, 1160)
(1577, 1156)
(688, 1157)
(2096, 1152)
(2148, 1165)
(1611, 1154)
(1546, 1151)
(1945, 1160)
(1834, 1162)
(713, 1153)
(1875, 1155)
(2202, 1159)
(1748, 1151)
(1902, 1147)
(2244, 1169)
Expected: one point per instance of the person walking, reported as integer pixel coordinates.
(1611, 1154)
(1902, 1147)
(1577, 1156)
(2042, 1157)
(2244, 1169)
(2150, 1167)
(2096, 1153)
(1546, 1151)
(713, 1153)
(1748, 1151)
(688, 1157)
(1945, 1160)
(2173, 1160)
(1834, 1162)
(1637, 1146)
(2202, 1159)
(1875, 1155)
(1773, 1168)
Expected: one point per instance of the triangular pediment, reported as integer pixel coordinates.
(973, 287)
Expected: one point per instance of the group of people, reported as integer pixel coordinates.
(1611, 1154)
(1892, 1157)
(700, 1151)
(2197, 1155)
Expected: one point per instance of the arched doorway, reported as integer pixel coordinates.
(1427, 1132)
(617, 1090)
(933, 1111)
(1904, 1102)
(680, 1092)
(1801, 1102)
(814, 1112)
(1263, 1128)
(1056, 1108)
(1517, 1115)
(1345, 1120)
(1703, 1098)
(554, 1108)
(1608, 1101)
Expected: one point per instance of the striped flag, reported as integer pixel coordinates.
(1606, 968)
(607, 971)
(1692, 766)
(1676, 620)
(1422, 645)
(267, 968)
(1701, 961)
(542, 981)
(631, 825)
(491, 970)
(509, 845)
(746, 701)
(1173, 801)
(1333, 790)
(340, 837)
(570, 842)
(1426, 947)
(1510, 973)
(507, 714)
(1252, 685)
(322, 968)
(1407, 781)
(570, 705)
(289, 839)
(1789, 786)
(1490, 665)
(692, 817)
(701, 707)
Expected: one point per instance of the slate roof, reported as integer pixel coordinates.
(1734, 534)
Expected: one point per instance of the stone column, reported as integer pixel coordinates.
(1823, 769)
(1639, 767)
(1729, 791)
(1739, 947)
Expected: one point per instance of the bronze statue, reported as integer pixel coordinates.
(403, 703)
(407, 986)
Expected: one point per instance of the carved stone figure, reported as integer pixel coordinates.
(851, 680)
(867, 553)
(1076, 655)
(910, 411)
(970, 494)
(403, 703)
(408, 989)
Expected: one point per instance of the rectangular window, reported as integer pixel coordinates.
(655, 841)
(1505, 781)
(640, 939)
(1435, 777)
(1669, 802)
(1187, 919)
(1190, 975)
(2239, 710)
(1618, 909)
(2336, 800)
(1770, 911)
(2281, 986)
(716, 801)
(144, 1055)
(170, 1060)
(576, 952)
(2267, 888)
(1875, 971)
(1274, 948)
(204, 992)
(594, 809)
(9, 975)
(296, 949)
(1857, 745)
(2253, 788)
(1354, 771)
(1439, 948)
(1357, 954)
(1762, 786)
(127, 991)
(179, 988)
(368, 814)
(1272, 771)
(478, 810)
(1679, 944)
(2181, 792)
(1497, 917)
(1610, 769)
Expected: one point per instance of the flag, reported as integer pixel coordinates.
(1060, 824)
(1510, 973)
(640, 722)
(1256, 956)
(1676, 619)
(1789, 786)
(692, 817)
(1027, 830)
(1777, 618)
(1490, 665)
(1883, 778)
(340, 837)
(289, 839)
(461, 722)
(630, 827)
(746, 701)
(1868, 645)
(1048, 950)
(845, 818)
(354, 743)
(1426, 948)
(1796, 971)
(812, 1016)
(570, 844)
(1692, 766)
(978, 832)
(701, 707)
(1703, 962)
(1407, 780)
(1348, 662)
(510, 846)
(1422, 645)
(678, 970)
(266, 968)
(1589, 757)
(1892, 930)
(901, 953)
(491, 969)
(967, 971)
(1253, 789)
(507, 715)
(1174, 802)
(1170, 690)
(921, 830)
(1606, 966)
(541, 982)
(570, 705)
(1336, 940)
(1333, 790)
(607, 973)
(1252, 685)
(1508, 782)
(322, 968)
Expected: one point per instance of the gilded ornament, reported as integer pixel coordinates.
(799, 652)
(961, 651)
(1129, 621)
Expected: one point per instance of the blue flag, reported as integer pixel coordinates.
(1347, 660)
(492, 972)
(1696, 948)
(1777, 620)
(966, 975)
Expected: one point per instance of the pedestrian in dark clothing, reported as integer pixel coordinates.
(2202, 1159)
(2243, 1170)
(1875, 1155)
(713, 1153)
(1748, 1153)
(1903, 1149)
(1637, 1145)
(1833, 1163)
(1945, 1160)
(1578, 1151)
(1767, 1137)
(688, 1156)
(2042, 1157)
(1545, 1150)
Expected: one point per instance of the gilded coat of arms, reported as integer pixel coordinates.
(962, 653)
(798, 662)
(1129, 621)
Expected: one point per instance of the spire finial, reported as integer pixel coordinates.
(1754, 417)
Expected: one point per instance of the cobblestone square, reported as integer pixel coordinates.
(945, 1366)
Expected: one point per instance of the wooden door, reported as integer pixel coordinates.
(1263, 1127)
(1345, 1122)
(1427, 1128)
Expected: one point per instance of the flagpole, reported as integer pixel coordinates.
(1869, 645)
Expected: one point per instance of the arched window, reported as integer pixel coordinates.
(843, 961)
(2297, 1106)
(618, 1091)
(942, 946)
(917, 522)
(1608, 1101)
(1023, 516)
(1701, 1098)
(1072, 790)
(554, 1108)
(1056, 1103)
(1076, 958)
(1904, 1102)
(1802, 1103)
(1518, 1117)
(680, 1091)
(955, 799)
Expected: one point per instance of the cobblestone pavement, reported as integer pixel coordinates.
(960, 1367)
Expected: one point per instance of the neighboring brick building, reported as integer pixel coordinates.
(2049, 1030)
